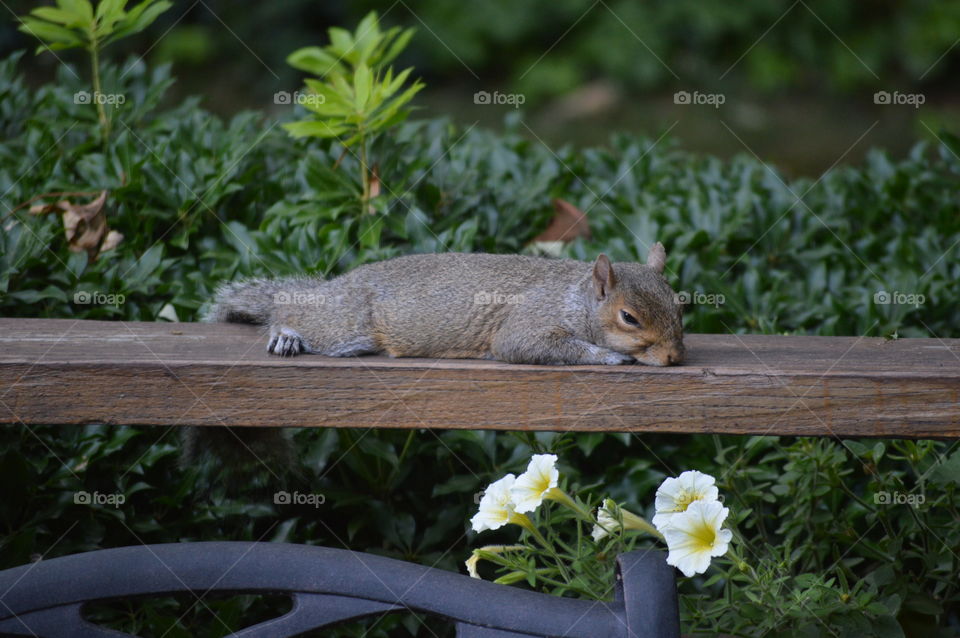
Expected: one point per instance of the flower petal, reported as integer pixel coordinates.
(694, 536)
(496, 506)
(676, 494)
(531, 486)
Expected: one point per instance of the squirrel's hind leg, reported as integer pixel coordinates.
(287, 342)
(351, 348)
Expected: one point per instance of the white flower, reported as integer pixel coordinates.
(537, 483)
(611, 517)
(606, 520)
(675, 495)
(496, 506)
(475, 557)
(694, 536)
(471, 564)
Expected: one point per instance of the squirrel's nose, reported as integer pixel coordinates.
(675, 356)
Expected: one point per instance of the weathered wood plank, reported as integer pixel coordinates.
(75, 372)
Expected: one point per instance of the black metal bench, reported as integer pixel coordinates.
(328, 586)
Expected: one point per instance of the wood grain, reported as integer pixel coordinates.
(56, 371)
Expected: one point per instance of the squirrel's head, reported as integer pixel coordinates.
(638, 311)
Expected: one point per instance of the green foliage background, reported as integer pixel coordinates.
(200, 200)
(804, 45)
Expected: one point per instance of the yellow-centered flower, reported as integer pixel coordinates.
(537, 483)
(694, 536)
(675, 495)
(496, 506)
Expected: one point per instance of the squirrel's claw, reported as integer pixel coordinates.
(285, 343)
(616, 358)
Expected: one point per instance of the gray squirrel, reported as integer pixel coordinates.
(511, 308)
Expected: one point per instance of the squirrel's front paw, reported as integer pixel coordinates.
(616, 358)
(285, 342)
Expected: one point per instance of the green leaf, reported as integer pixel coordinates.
(396, 47)
(314, 60)
(51, 33)
(342, 44)
(78, 7)
(111, 10)
(139, 18)
(367, 37)
(36, 296)
(59, 16)
(362, 84)
(314, 128)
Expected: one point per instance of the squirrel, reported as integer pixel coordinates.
(510, 308)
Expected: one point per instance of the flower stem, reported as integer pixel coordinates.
(558, 495)
(97, 93)
(632, 521)
(524, 521)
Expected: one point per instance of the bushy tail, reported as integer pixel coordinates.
(252, 300)
(243, 449)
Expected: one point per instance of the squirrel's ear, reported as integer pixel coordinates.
(657, 258)
(603, 277)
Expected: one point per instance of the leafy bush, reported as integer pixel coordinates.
(199, 200)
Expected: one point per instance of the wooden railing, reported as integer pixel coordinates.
(57, 371)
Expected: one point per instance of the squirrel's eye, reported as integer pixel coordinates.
(628, 318)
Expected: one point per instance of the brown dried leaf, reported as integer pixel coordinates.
(567, 224)
(112, 240)
(375, 181)
(85, 225)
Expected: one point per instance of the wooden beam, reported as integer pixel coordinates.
(57, 371)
